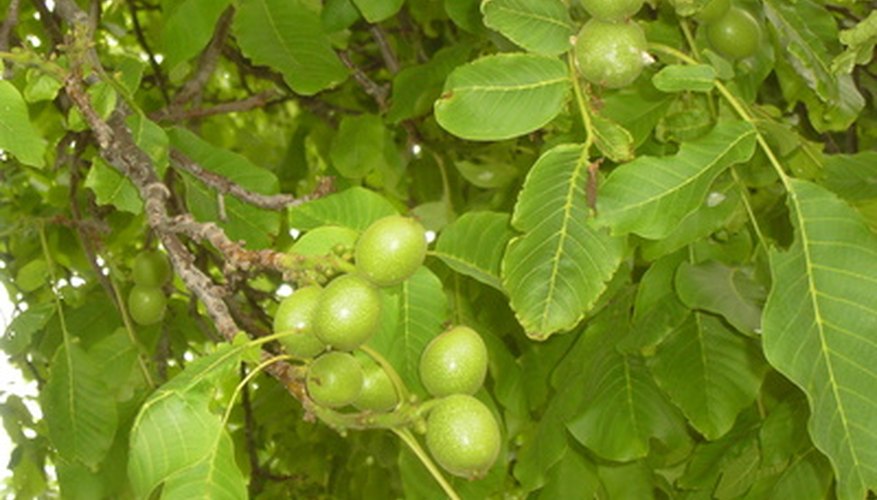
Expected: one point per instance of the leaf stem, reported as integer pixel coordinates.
(744, 195)
(129, 329)
(51, 265)
(582, 104)
(409, 439)
(240, 387)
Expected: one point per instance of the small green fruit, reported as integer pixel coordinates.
(736, 35)
(610, 54)
(295, 315)
(348, 313)
(612, 10)
(378, 392)
(463, 436)
(146, 304)
(334, 379)
(390, 250)
(151, 268)
(455, 362)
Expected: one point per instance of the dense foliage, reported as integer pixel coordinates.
(651, 244)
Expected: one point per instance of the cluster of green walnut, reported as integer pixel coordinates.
(146, 300)
(610, 49)
(328, 326)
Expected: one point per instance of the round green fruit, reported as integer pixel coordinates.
(334, 379)
(378, 392)
(146, 304)
(736, 35)
(713, 10)
(463, 436)
(612, 10)
(151, 268)
(610, 54)
(295, 316)
(348, 313)
(390, 250)
(455, 362)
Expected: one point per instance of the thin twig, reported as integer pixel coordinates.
(226, 186)
(260, 100)
(372, 88)
(390, 59)
(50, 23)
(6, 33)
(153, 62)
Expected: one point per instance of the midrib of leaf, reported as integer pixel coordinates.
(703, 363)
(512, 88)
(628, 385)
(563, 233)
(692, 178)
(531, 15)
(824, 349)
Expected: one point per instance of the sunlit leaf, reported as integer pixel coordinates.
(377, 10)
(650, 196)
(559, 266)
(17, 134)
(355, 208)
(474, 245)
(112, 188)
(819, 324)
(502, 96)
(187, 27)
(540, 26)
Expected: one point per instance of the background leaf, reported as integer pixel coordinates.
(818, 327)
(288, 35)
(502, 96)
(187, 27)
(17, 134)
(650, 196)
(540, 26)
(555, 271)
(377, 10)
(474, 245)
(729, 291)
(358, 148)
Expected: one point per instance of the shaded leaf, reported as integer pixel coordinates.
(502, 96)
(377, 10)
(685, 78)
(852, 177)
(657, 309)
(355, 208)
(17, 135)
(613, 140)
(358, 147)
(110, 187)
(818, 329)
(288, 36)
(709, 372)
(557, 269)
(731, 292)
(650, 196)
(474, 245)
(540, 26)
(416, 88)
(186, 28)
(637, 108)
(79, 409)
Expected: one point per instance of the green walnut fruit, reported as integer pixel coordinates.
(713, 10)
(612, 10)
(610, 54)
(295, 316)
(390, 250)
(146, 304)
(736, 35)
(151, 268)
(455, 362)
(334, 379)
(348, 313)
(463, 436)
(378, 392)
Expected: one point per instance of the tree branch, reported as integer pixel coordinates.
(372, 88)
(6, 33)
(260, 100)
(156, 69)
(193, 88)
(226, 186)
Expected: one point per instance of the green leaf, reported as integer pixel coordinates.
(32, 275)
(574, 476)
(540, 26)
(358, 147)
(355, 208)
(288, 36)
(860, 41)
(657, 309)
(178, 441)
(243, 221)
(152, 139)
(377, 10)
(818, 329)
(731, 292)
(110, 187)
(80, 411)
(17, 135)
(474, 245)
(558, 268)
(852, 177)
(613, 140)
(322, 240)
(709, 372)
(419, 308)
(637, 108)
(650, 196)
(502, 96)
(488, 172)
(685, 78)
(186, 28)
